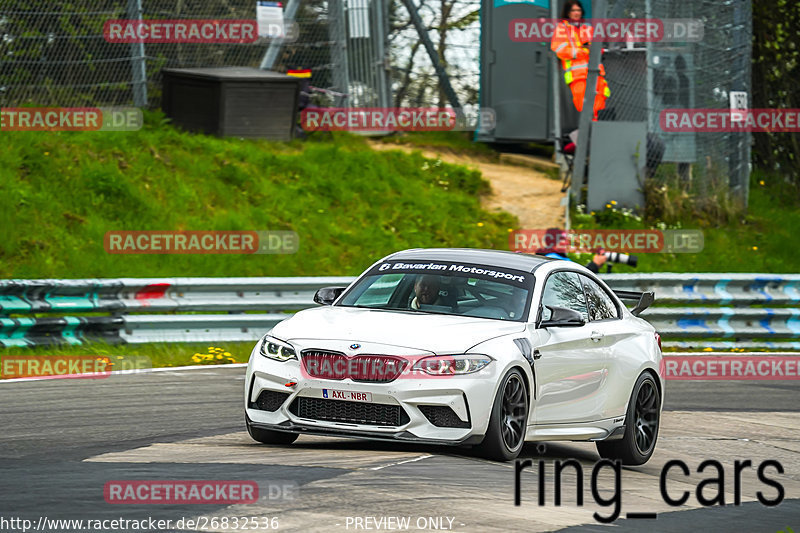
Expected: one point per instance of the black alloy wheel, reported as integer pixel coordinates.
(508, 420)
(646, 417)
(515, 411)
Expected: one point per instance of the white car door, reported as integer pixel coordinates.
(570, 362)
(620, 345)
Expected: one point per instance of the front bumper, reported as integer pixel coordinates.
(289, 427)
(438, 410)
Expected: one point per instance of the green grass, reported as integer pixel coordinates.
(761, 240)
(61, 192)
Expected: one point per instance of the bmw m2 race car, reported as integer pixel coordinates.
(464, 347)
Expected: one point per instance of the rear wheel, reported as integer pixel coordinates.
(641, 425)
(267, 436)
(505, 435)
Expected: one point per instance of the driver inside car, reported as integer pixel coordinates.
(426, 290)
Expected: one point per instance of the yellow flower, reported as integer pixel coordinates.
(613, 202)
(755, 247)
(510, 230)
(708, 349)
(592, 213)
(219, 356)
(761, 182)
(608, 206)
(47, 153)
(480, 224)
(227, 354)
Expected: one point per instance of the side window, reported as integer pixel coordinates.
(563, 289)
(601, 306)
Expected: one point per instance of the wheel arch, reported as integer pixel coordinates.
(657, 379)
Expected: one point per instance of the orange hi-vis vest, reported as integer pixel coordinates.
(571, 45)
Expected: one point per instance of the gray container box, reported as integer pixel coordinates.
(514, 76)
(232, 101)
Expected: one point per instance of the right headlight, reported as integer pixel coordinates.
(277, 349)
(453, 365)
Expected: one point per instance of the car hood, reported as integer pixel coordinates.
(417, 331)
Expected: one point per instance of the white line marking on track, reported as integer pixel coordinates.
(414, 460)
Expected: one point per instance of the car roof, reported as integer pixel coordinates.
(493, 258)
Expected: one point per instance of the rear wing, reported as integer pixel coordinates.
(645, 299)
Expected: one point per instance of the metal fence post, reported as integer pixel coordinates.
(138, 65)
(271, 55)
(381, 30)
(585, 123)
(338, 35)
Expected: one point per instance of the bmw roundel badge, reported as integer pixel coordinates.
(355, 346)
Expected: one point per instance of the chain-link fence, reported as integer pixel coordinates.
(647, 78)
(55, 53)
(368, 53)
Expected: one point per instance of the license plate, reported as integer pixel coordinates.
(347, 395)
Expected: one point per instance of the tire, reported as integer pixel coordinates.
(642, 421)
(505, 435)
(267, 436)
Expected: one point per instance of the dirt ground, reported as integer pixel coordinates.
(534, 198)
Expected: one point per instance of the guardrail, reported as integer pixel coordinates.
(715, 311)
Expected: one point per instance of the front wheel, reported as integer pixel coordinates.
(641, 425)
(505, 435)
(267, 436)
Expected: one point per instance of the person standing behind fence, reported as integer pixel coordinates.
(571, 42)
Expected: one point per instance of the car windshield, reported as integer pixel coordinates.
(444, 288)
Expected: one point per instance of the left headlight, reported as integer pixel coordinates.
(277, 349)
(452, 365)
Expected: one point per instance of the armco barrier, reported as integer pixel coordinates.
(716, 311)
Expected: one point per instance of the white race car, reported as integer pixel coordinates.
(464, 347)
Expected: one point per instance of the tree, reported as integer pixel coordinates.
(776, 69)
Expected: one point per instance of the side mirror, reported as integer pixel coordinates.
(561, 317)
(328, 295)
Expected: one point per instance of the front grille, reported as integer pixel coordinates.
(374, 414)
(442, 416)
(363, 368)
(269, 400)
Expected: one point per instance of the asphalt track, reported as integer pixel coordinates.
(63, 439)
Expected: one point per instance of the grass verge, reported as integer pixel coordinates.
(756, 240)
(60, 192)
